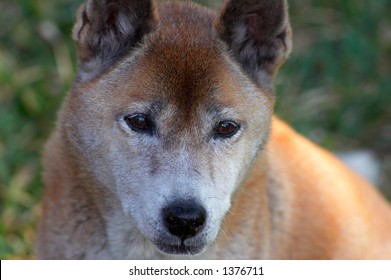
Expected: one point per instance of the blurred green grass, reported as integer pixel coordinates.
(335, 89)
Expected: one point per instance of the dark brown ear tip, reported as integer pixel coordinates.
(106, 30)
(258, 35)
(80, 21)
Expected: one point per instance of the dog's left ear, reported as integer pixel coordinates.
(258, 35)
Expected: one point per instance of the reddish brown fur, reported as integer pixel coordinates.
(292, 199)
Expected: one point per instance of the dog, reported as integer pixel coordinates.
(167, 146)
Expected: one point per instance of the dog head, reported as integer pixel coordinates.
(171, 106)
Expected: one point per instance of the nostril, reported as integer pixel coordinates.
(184, 219)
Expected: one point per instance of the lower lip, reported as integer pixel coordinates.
(180, 249)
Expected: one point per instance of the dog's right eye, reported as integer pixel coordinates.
(139, 123)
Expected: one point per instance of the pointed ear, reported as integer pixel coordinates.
(106, 30)
(258, 35)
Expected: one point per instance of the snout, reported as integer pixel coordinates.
(184, 219)
(184, 222)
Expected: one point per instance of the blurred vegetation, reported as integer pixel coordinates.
(335, 89)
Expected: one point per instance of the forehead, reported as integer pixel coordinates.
(185, 72)
(183, 54)
(183, 75)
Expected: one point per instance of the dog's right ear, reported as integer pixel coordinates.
(105, 30)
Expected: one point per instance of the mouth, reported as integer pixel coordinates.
(180, 249)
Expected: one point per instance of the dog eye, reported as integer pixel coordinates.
(139, 123)
(226, 129)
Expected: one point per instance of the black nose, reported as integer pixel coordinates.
(184, 219)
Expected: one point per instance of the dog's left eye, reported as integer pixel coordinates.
(226, 129)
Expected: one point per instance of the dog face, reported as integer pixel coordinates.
(171, 106)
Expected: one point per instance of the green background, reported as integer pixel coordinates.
(335, 89)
